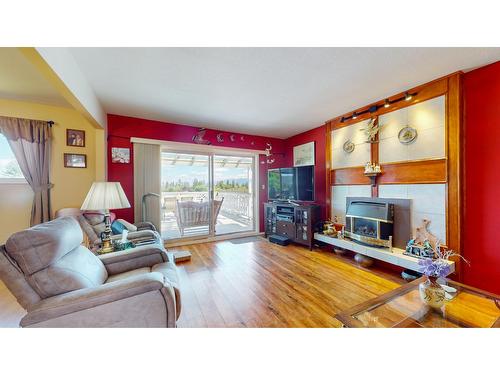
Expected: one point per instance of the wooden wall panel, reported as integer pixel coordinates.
(454, 167)
(349, 176)
(414, 172)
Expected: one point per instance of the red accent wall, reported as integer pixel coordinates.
(481, 89)
(317, 135)
(122, 128)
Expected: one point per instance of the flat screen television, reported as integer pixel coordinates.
(295, 184)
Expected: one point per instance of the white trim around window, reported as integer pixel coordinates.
(13, 181)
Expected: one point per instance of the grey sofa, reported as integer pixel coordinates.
(63, 284)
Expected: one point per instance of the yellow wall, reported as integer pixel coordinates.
(70, 184)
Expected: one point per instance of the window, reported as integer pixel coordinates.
(9, 168)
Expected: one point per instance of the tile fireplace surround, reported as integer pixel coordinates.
(428, 202)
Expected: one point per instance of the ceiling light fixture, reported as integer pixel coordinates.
(354, 116)
(408, 96)
(387, 103)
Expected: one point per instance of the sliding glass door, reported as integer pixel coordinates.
(185, 196)
(207, 194)
(234, 189)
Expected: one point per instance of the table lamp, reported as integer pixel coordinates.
(106, 196)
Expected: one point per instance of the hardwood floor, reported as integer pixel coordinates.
(259, 284)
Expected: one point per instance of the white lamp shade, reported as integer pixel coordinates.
(105, 195)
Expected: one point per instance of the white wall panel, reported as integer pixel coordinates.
(428, 118)
(428, 202)
(339, 195)
(361, 154)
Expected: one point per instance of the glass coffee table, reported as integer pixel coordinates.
(402, 308)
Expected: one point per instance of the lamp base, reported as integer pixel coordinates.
(107, 247)
(106, 241)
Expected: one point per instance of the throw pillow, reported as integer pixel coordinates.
(130, 227)
(117, 227)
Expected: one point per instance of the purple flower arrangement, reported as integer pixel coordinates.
(438, 265)
(434, 267)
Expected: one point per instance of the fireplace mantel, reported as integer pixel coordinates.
(394, 255)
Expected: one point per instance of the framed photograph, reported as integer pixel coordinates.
(75, 137)
(303, 155)
(120, 155)
(75, 161)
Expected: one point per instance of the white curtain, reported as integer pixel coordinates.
(147, 183)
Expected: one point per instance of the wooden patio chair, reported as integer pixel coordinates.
(191, 214)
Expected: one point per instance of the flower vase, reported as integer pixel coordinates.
(431, 293)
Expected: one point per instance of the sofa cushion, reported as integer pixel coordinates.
(76, 270)
(124, 275)
(40, 246)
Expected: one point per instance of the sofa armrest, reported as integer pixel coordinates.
(88, 298)
(139, 235)
(134, 258)
(143, 225)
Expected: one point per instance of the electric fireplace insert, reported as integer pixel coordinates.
(370, 223)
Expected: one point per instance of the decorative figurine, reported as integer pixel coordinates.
(372, 168)
(424, 243)
(268, 149)
(371, 130)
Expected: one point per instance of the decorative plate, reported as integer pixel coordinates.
(348, 147)
(407, 135)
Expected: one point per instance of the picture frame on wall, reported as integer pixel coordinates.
(303, 155)
(75, 138)
(120, 155)
(75, 160)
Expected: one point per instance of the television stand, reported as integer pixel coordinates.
(296, 221)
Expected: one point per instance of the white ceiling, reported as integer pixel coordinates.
(276, 92)
(20, 80)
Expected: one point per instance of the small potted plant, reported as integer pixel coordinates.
(431, 292)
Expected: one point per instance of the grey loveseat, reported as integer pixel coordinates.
(63, 284)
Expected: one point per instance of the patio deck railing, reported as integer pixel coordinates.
(237, 205)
